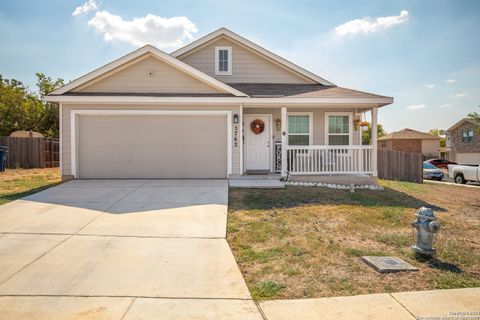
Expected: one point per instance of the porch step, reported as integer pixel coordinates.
(256, 184)
(256, 177)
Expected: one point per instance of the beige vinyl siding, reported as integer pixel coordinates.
(66, 121)
(247, 66)
(430, 147)
(136, 79)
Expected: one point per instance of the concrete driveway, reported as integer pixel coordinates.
(121, 249)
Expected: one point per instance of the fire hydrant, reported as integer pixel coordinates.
(426, 228)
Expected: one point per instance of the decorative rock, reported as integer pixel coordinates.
(333, 186)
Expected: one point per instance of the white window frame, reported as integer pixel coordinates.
(310, 126)
(350, 126)
(217, 57)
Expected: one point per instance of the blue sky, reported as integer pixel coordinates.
(426, 54)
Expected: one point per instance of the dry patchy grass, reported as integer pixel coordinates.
(18, 183)
(306, 242)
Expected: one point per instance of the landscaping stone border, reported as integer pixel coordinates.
(350, 187)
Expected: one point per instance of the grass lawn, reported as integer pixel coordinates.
(303, 242)
(18, 183)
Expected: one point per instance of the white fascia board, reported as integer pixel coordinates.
(161, 56)
(73, 99)
(250, 44)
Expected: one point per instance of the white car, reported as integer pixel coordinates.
(462, 174)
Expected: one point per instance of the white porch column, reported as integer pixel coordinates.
(240, 122)
(284, 141)
(374, 141)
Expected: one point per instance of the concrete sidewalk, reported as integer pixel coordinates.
(448, 183)
(449, 304)
(436, 304)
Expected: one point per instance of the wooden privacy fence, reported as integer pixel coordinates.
(31, 152)
(398, 165)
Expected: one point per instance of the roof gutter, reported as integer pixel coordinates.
(74, 99)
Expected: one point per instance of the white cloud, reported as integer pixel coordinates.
(416, 107)
(151, 29)
(89, 5)
(368, 25)
(450, 81)
(458, 95)
(446, 105)
(430, 86)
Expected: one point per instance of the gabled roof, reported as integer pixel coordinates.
(409, 134)
(159, 54)
(225, 32)
(461, 122)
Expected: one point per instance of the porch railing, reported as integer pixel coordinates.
(329, 159)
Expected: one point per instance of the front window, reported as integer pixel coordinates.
(467, 135)
(299, 130)
(338, 133)
(223, 60)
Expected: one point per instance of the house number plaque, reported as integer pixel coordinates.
(278, 156)
(235, 136)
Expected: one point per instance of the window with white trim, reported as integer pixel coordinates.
(223, 60)
(299, 130)
(338, 130)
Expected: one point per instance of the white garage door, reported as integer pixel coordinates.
(152, 146)
(468, 158)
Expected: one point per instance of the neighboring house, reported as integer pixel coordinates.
(409, 140)
(463, 142)
(151, 114)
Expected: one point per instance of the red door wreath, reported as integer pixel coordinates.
(257, 126)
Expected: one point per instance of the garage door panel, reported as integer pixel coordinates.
(152, 146)
(468, 158)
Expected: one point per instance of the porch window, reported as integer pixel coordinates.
(338, 129)
(223, 60)
(299, 130)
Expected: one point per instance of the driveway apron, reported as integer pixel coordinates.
(113, 249)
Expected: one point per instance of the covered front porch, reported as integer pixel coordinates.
(319, 140)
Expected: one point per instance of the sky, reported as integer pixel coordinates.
(424, 53)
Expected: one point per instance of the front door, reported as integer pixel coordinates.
(257, 142)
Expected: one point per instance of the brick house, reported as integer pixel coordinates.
(463, 142)
(409, 140)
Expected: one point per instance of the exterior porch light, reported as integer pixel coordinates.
(235, 118)
(278, 124)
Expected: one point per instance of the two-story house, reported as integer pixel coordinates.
(463, 142)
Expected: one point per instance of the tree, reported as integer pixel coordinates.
(367, 134)
(437, 132)
(474, 116)
(49, 124)
(21, 109)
